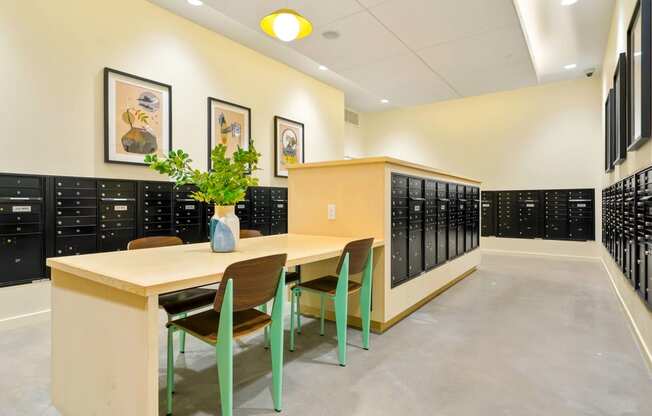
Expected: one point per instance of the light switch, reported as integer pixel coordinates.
(331, 211)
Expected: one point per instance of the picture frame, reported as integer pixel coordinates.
(612, 130)
(234, 121)
(289, 144)
(137, 118)
(607, 135)
(619, 105)
(639, 73)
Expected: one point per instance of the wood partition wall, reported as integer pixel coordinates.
(358, 193)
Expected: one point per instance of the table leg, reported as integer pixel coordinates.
(104, 349)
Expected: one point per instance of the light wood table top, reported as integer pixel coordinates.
(159, 270)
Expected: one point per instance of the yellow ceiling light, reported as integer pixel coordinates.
(286, 25)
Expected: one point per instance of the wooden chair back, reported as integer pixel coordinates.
(153, 242)
(254, 282)
(358, 254)
(250, 233)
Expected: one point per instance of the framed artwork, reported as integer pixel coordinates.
(288, 145)
(228, 124)
(639, 73)
(137, 118)
(612, 129)
(620, 110)
(607, 135)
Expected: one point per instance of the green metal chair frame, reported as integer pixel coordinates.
(224, 349)
(340, 300)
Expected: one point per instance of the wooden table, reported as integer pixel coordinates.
(105, 317)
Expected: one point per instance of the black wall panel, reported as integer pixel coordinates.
(44, 216)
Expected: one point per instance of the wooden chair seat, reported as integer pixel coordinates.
(186, 300)
(204, 325)
(327, 284)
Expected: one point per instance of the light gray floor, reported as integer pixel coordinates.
(522, 336)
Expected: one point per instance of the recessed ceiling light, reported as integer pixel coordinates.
(331, 34)
(195, 2)
(384, 101)
(570, 66)
(568, 2)
(323, 68)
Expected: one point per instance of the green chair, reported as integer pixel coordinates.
(245, 286)
(357, 257)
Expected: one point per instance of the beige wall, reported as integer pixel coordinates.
(636, 160)
(53, 53)
(543, 137)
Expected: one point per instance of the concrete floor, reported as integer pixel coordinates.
(521, 336)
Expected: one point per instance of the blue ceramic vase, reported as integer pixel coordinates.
(224, 230)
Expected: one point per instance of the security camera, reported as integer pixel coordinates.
(589, 72)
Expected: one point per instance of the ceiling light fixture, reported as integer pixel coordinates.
(384, 101)
(195, 2)
(568, 2)
(323, 68)
(286, 25)
(570, 66)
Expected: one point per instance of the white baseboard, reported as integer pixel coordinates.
(25, 315)
(645, 349)
(535, 253)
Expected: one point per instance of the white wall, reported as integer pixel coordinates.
(542, 137)
(53, 54)
(636, 160)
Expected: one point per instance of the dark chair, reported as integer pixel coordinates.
(176, 304)
(245, 285)
(356, 257)
(250, 233)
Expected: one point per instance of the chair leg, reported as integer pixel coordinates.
(170, 370)
(365, 300)
(277, 344)
(293, 295)
(340, 321)
(322, 312)
(182, 337)
(263, 308)
(298, 311)
(224, 351)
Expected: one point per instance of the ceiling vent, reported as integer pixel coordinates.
(351, 117)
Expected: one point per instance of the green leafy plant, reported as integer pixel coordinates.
(225, 184)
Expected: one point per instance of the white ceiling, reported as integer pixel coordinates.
(412, 51)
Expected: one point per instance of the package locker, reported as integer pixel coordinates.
(453, 204)
(468, 219)
(188, 215)
(507, 214)
(530, 214)
(430, 225)
(556, 215)
(442, 222)
(644, 234)
(261, 210)
(630, 250)
(580, 214)
(399, 231)
(475, 218)
(278, 211)
(243, 211)
(489, 207)
(156, 209)
(117, 212)
(75, 216)
(416, 206)
(22, 224)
